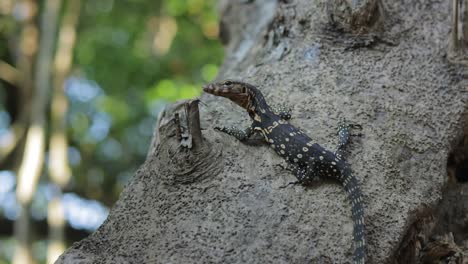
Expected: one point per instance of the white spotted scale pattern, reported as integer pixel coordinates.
(310, 160)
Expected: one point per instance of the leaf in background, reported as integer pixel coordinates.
(188, 91)
(163, 90)
(117, 109)
(209, 72)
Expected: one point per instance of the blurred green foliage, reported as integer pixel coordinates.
(119, 49)
(131, 57)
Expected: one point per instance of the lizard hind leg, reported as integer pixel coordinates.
(241, 135)
(302, 175)
(344, 135)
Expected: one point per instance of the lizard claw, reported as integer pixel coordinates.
(285, 168)
(281, 166)
(290, 183)
(346, 127)
(355, 126)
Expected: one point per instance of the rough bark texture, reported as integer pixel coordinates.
(224, 204)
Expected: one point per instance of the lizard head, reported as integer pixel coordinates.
(238, 92)
(245, 95)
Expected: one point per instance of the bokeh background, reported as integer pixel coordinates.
(81, 85)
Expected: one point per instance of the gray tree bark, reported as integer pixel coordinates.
(383, 66)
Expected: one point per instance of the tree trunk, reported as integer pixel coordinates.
(33, 157)
(382, 66)
(59, 169)
(27, 50)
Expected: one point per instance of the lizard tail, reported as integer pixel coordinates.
(351, 186)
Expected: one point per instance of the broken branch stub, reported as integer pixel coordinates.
(187, 125)
(179, 140)
(193, 122)
(458, 48)
(357, 17)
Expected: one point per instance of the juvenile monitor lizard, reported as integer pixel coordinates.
(308, 159)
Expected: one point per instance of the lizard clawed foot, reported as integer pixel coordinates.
(355, 126)
(241, 135)
(343, 124)
(285, 168)
(344, 135)
(345, 127)
(358, 127)
(281, 166)
(290, 183)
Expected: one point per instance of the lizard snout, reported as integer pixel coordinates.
(208, 88)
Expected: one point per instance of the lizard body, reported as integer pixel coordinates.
(309, 160)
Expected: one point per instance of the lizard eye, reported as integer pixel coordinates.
(227, 83)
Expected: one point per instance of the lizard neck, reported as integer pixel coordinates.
(262, 116)
(256, 105)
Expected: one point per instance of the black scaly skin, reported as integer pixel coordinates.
(309, 160)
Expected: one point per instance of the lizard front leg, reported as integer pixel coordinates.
(241, 135)
(303, 175)
(283, 112)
